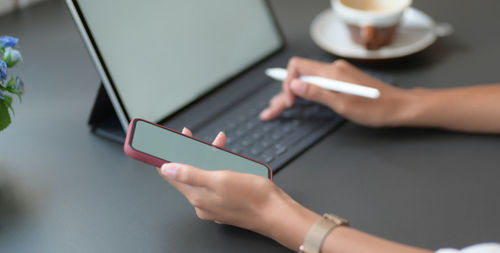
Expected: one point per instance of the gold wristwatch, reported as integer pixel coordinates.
(318, 232)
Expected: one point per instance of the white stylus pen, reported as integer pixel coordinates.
(330, 84)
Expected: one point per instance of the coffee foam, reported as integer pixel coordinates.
(373, 5)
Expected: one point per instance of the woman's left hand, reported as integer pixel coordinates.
(222, 196)
(244, 200)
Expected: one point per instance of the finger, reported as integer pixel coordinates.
(186, 131)
(296, 67)
(220, 140)
(285, 86)
(203, 214)
(315, 93)
(289, 96)
(198, 197)
(187, 174)
(276, 106)
(182, 188)
(303, 66)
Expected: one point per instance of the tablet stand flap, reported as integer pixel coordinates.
(103, 120)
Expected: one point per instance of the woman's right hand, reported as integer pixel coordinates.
(392, 108)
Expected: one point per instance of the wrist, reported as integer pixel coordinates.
(416, 108)
(288, 222)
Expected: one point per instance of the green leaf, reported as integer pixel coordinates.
(7, 100)
(11, 85)
(13, 91)
(4, 116)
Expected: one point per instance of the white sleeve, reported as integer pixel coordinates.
(479, 248)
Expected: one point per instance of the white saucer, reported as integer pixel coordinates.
(416, 32)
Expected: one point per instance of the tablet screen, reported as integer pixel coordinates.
(161, 55)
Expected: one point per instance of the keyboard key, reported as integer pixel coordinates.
(265, 158)
(277, 135)
(253, 112)
(287, 114)
(301, 102)
(262, 105)
(239, 132)
(268, 126)
(231, 125)
(247, 153)
(257, 135)
(247, 142)
(279, 149)
(242, 118)
(249, 125)
(237, 149)
(290, 125)
(255, 152)
(265, 143)
(310, 112)
(315, 108)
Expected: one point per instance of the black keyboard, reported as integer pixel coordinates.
(279, 141)
(275, 142)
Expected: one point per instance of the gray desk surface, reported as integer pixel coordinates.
(70, 191)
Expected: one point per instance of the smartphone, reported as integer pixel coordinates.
(156, 145)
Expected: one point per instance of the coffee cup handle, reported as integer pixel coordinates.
(443, 29)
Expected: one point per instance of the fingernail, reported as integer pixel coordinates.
(170, 170)
(265, 114)
(219, 134)
(299, 87)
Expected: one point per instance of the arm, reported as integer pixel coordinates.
(257, 204)
(468, 109)
(471, 109)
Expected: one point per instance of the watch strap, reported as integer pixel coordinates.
(319, 231)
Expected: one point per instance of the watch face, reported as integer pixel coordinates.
(338, 220)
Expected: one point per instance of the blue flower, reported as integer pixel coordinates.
(7, 41)
(19, 85)
(1, 95)
(3, 70)
(12, 57)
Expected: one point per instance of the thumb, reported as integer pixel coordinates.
(185, 174)
(312, 92)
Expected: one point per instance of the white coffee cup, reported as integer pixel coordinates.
(371, 23)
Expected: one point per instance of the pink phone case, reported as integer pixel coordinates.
(156, 162)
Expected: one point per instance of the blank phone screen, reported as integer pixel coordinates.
(173, 147)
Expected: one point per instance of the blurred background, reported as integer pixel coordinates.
(7, 6)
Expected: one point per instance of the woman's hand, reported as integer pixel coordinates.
(255, 203)
(392, 108)
(247, 201)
